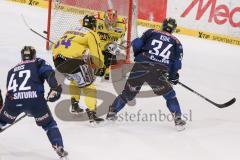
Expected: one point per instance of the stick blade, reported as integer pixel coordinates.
(229, 103)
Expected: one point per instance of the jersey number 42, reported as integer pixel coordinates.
(12, 85)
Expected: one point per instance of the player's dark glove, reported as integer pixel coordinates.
(173, 78)
(1, 100)
(100, 72)
(54, 94)
(107, 58)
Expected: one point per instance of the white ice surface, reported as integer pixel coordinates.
(209, 67)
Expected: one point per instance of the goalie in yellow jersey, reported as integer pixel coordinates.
(78, 56)
(111, 29)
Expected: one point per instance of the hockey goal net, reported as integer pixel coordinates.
(66, 14)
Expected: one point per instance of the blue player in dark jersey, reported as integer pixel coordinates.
(158, 56)
(25, 93)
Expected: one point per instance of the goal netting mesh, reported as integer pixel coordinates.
(67, 14)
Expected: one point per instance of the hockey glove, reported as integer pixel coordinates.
(107, 58)
(100, 72)
(1, 100)
(54, 94)
(173, 78)
(113, 49)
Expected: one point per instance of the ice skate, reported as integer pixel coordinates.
(106, 76)
(61, 152)
(111, 116)
(179, 123)
(93, 119)
(75, 109)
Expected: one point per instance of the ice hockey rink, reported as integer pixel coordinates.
(209, 67)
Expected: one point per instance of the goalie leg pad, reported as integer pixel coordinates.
(84, 77)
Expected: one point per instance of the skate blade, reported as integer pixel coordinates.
(97, 124)
(111, 120)
(180, 128)
(76, 113)
(64, 158)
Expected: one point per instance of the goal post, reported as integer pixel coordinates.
(66, 14)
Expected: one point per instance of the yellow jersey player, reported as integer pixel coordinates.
(76, 54)
(111, 29)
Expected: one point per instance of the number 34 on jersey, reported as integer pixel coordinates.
(160, 51)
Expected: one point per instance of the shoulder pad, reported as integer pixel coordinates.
(175, 38)
(40, 61)
(149, 31)
(178, 42)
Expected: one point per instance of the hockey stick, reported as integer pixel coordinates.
(25, 22)
(224, 105)
(16, 121)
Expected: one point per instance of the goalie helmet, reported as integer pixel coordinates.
(28, 53)
(89, 22)
(110, 17)
(169, 25)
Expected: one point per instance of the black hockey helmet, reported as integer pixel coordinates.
(28, 53)
(169, 25)
(89, 22)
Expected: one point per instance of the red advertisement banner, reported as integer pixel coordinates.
(153, 10)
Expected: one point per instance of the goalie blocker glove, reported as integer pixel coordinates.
(110, 53)
(54, 94)
(113, 49)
